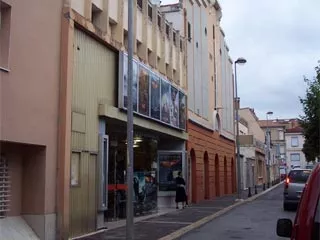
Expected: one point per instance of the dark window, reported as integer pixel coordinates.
(213, 34)
(181, 45)
(159, 21)
(167, 29)
(299, 176)
(174, 37)
(197, 44)
(205, 31)
(150, 12)
(189, 31)
(139, 3)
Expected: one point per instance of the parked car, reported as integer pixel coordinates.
(306, 225)
(293, 186)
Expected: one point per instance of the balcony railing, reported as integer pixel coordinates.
(251, 141)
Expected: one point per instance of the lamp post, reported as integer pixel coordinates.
(129, 220)
(238, 61)
(268, 146)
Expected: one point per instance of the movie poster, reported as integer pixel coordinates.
(145, 192)
(155, 96)
(134, 83)
(143, 91)
(165, 101)
(170, 164)
(182, 110)
(174, 107)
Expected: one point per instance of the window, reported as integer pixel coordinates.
(205, 31)
(213, 34)
(167, 30)
(294, 142)
(159, 21)
(150, 12)
(299, 176)
(174, 38)
(181, 47)
(5, 23)
(281, 135)
(189, 31)
(139, 3)
(295, 157)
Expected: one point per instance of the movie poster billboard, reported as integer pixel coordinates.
(165, 101)
(182, 110)
(155, 96)
(174, 107)
(134, 83)
(143, 91)
(170, 164)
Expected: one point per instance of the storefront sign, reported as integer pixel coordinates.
(170, 164)
(153, 96)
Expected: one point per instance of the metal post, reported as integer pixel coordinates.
(129, 217)
(237, 133)
(268, 152)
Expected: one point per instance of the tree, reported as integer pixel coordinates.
(310, 121)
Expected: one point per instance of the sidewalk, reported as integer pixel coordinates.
(160, 226)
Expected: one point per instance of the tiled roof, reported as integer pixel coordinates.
(295, 130)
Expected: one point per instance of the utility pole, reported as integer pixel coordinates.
(130, 160)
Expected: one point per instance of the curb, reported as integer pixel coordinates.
(209, 218)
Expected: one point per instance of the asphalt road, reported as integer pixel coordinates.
(251, 221)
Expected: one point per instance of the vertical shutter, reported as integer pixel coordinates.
(4, 187)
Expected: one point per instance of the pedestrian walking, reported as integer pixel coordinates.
(180, 191)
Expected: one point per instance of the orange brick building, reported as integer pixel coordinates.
(213, 164)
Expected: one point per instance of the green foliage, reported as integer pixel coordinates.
(310, 121)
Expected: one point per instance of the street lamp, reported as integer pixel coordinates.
(268, 146)
(240, 61)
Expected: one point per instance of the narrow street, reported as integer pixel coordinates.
(251, 221)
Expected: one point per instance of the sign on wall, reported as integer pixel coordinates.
(153, 95)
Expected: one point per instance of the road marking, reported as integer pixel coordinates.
(206, 207)
(209, 218)
(183, 223)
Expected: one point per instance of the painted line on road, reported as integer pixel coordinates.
(170, 222)
(209, 218)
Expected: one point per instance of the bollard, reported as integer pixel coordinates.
(255, 189)
(249, 192)
(264, 187)
(268, 185)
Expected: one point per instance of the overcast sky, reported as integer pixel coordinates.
(281, 41)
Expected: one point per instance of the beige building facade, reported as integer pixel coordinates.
(29, 97)
(211, 146)
(93, 110)
(253, 149)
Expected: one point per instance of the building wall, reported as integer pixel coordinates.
(92, 38)
(253, 125)
(205, 97)
(243, 129)
(200, 142)
(29, 93)
(295, 150)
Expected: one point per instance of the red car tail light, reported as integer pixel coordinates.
(286, 184)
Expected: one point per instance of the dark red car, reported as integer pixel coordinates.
(306, 225)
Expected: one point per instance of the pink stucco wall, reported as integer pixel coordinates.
(29, 92)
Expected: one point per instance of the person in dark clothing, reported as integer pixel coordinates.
(180, 191)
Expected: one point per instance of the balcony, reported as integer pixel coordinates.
(251, 141)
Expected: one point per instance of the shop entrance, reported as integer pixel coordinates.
(145, 166)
